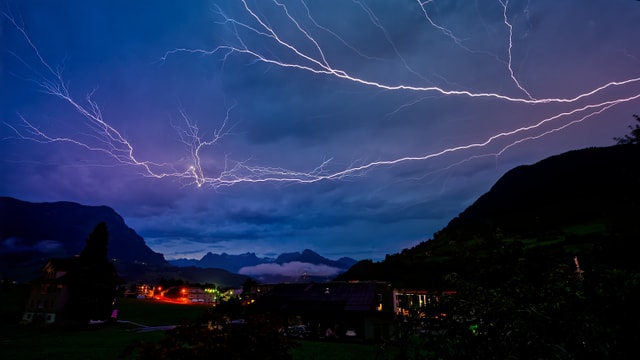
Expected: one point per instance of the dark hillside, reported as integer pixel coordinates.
(582, 202)
(575, 187)
(543, 266)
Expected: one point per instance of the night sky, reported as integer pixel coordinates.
(352, 128)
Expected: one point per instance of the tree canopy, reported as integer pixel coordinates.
(634, 135)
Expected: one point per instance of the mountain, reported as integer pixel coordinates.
(234, 263)
(61, 229)
(287, 267)
(582, 202)
(231, 263)
(134, 273)
(311, 257)
(31, 233)
(574, 187)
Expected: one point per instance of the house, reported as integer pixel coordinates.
(50, 293)
(404, 301)
(358, 310)
(72, 289)
(198, 295)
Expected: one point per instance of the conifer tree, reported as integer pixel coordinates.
(93, 283)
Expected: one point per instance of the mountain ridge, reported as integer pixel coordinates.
(582, 202)
(62, 228)
(234, 263)
(32, 232)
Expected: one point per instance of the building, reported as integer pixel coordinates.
(49, 293)
(358, 310)
(404, 301)
(198, 295)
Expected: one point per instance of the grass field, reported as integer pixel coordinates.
(95, 342)
(156, 313)
(22, 342)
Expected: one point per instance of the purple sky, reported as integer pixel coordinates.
(299, 93)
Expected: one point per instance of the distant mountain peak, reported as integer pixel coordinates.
(234, 263)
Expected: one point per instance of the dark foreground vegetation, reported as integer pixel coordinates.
(543, 265)
(128, 340)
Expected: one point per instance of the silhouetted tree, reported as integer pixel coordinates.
(97, 244)
(93, 283)
(633, 137)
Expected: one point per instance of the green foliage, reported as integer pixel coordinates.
(216, 335)
(522, 304)
(523, 298)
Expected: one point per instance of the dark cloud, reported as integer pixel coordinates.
(257, 216)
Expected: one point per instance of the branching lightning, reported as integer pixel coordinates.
(310, 56)
(318, 64)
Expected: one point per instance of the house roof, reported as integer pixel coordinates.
(58, 264)
(53, 266)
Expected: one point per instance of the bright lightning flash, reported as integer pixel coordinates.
(309, 55)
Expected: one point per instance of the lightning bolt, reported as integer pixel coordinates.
(505, 4)
(307, 55)
(318, 64)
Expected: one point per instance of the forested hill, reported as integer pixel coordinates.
(595, 184)
(581, 203)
